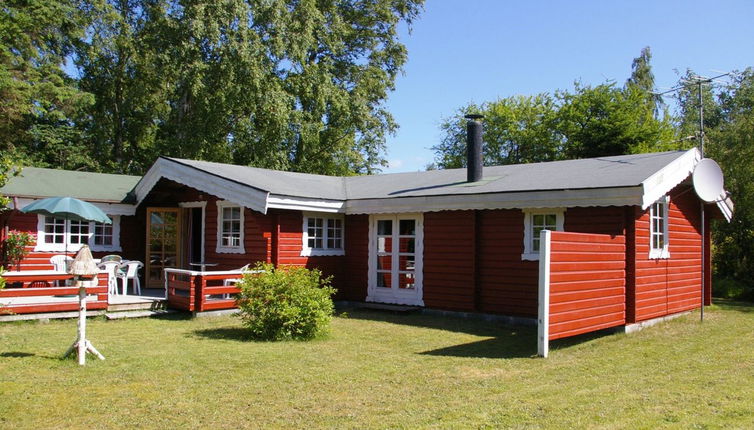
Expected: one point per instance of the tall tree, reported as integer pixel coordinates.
(516, 130)
(730, 135)
(39, 103)
(286, 84)
(643, 79)
(607, 120)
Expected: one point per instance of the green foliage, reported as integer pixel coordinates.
(516, 130)
(2, 280)
(729, 142)
(16, 244)
(40, 102)
(285, 303)
(729, 288)
(607, 120)
(8, 168)
(585, 122)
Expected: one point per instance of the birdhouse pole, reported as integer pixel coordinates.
(84, 271)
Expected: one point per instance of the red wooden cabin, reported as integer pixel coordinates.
(433, 239)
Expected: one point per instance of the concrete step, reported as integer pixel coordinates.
(138, 314)
(388, 307)
(152, 305)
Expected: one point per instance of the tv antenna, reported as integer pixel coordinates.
(707, 176)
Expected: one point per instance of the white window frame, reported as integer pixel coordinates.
(529, 252)
(219, 248)
(307, 251)
(664, 252)
(74, 247)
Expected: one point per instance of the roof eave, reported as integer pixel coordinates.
(232, 191)
(615, 196)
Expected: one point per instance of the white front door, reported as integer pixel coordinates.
(396, 246)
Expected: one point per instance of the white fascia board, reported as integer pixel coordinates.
(725, 204)
(664, 180)
(625, 196)
(107, 208)
(239, 194)
(305, 204)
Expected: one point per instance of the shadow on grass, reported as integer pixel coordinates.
(733, 305)
(225, 333)
(17, 354)
(506, 341)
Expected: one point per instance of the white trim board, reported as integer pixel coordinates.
(225, 189)
(543, 317)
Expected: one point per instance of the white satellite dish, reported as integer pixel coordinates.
(708, 180)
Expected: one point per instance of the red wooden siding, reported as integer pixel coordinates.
(587, 283)
(672, 285)
(507, 284)
(257, 239)
(449, 260)
(355, 268)
(290, 243)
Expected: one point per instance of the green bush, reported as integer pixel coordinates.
(729, 288)
(285, 303)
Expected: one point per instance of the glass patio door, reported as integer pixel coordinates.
(163, 243)
(395, 255)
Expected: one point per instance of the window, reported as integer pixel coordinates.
(103, 234)
(230, 224)
(534, 222)
(323, 234)
(658, 229)
(55, 234)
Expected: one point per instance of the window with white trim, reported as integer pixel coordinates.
(230, 223)
(323, 234)
(56, 234)
(536, 220)
(658, 229)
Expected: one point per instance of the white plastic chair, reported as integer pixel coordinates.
(111, 267)
(60, 264)
(130, 270)
(234, 281)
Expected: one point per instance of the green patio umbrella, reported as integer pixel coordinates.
(67, 208)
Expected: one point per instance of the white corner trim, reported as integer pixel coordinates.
(304, 204)
(231, 191)
(661, 182)
(528, 253)
(543, 315)
(726, 206)
(229, 249)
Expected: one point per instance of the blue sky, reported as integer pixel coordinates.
(480, 50)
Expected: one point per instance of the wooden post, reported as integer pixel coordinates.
(543, 318)
(82, 323)
(84, 270)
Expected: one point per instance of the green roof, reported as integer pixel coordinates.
(40, 182)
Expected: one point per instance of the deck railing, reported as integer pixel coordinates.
(197, 291)
(63, 298)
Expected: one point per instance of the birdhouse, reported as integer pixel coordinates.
(83, 266)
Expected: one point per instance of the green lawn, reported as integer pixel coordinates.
(380, 370)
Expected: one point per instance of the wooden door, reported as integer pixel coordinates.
(163, 243)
